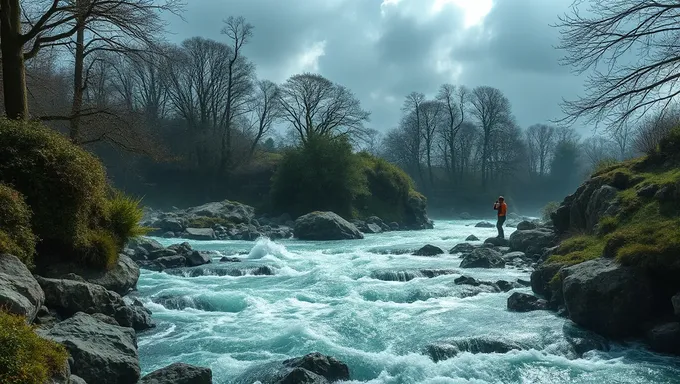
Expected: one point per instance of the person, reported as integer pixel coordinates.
(502, 209)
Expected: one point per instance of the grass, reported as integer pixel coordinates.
(27, 358)
(578, 249)
(125, 214)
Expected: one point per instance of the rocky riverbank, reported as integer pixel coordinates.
(227, 220)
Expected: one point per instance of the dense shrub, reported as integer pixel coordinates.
(124, 215)
(16, 237)
(27, 358)
(322, 175)
(548, 210)
(67, 191)
(669, 146)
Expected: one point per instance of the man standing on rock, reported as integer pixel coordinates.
(502, 209)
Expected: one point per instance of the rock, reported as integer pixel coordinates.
(101, 352)
(415, 215)
(105, 319)
(583, 340)
(665, 338)
(429, 250)
(541, 278)
(526, 225)
(226, 259)
(521, 302)
(373, 228)
(450, 348)
(325, 226)
(314, 368)
(200, 233)
(121, 279)
(472, 238)
(465, 280)
(169, 225)
(69, 297)
(393, 226)
(20, 293)
(510, 256)
(181, 249)
(197, 258)
(496, 242)
(168, 262)
(648, 191)
(179, 373)
(463, 248)
(599, 203)
(675, 300)
(606, 297)
(507, 286)
(228, 211)
(522, 240)
(465, 216)
(484, 224)
(666, 193)
(403, 276)
(165, 252)
(77, 380)
(483, 258)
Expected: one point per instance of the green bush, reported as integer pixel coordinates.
(67, 191)
(124, 215)
(548, 210)
(669, 146)
(27, 358)
(322, 175)
(16, 237)
(578, 249)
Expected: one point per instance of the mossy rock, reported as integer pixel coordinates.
(16, 237)
(75, 214)
(27, 358)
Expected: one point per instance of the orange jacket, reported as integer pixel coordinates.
(502, 208)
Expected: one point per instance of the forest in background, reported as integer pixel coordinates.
(185, 124)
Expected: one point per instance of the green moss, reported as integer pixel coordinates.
(578, 249)
(27, 358)
(67, 191)
(208, 222)
(607, 225)
(16, 237)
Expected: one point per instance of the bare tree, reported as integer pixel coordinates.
(597, 149)
(314, 105)
(622, 137)
(239, 32)
(432, 113)
(654, 128)
(491, 109)
(454, 101)
(266, 109)
(541, 141)
(411, 124)
(566, 134)
(113, 24)
(606, 38)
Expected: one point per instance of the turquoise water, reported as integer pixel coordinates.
(324, 297)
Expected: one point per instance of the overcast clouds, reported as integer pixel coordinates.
(384, 49)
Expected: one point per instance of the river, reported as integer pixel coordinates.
(327, 297)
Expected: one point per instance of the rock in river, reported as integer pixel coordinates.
(483, 258)
(325, 226)
(179, 373)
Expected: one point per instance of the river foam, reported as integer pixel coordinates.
(329, 297)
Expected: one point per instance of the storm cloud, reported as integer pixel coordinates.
(384, 49)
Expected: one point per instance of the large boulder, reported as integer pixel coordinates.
(450, 348)
(69, 297)
(463, 248)
(583, 340)
(429, 250)
(521, 302)
(497, 242)
(102, 353)
(472, 238)
(484, 224)
(325, 226)
(607, 298)
(483, 258)
(200, 233)
(665, 338)
(542, 277)
(121, 278)
(20, 293)
(415, 215)
(179, 373)
(228, 211)
(197, 258)
(313, 368)
(601, 203)
(536, 238)
(526, 226)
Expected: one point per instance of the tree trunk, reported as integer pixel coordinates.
(78, 86)
(13, 70)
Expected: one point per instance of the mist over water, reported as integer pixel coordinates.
(365, 303)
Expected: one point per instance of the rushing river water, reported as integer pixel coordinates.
(328, 297)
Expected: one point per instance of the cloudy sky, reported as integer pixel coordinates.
(384, 49)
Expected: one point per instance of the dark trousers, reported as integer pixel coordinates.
(499, 226)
